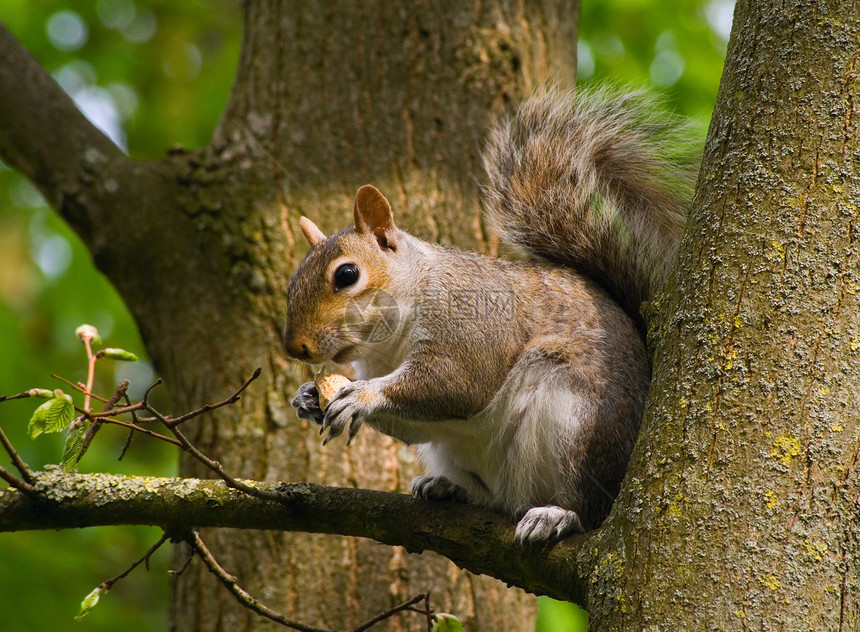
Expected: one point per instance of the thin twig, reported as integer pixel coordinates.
(118, 392)
(143, 420)
(136, 421)
(91, 369)
(173, 423)
(406, 605)
(207, 407)
(215, 466)
(21, 485)
(429, 612)
(146, 431)
(188, 558)
(107, 584)
(241, 595)
(22, 467)
(128, 403)
(6, 398)
(78, 387)
(126, 445)
(145, 401)
(110, 413)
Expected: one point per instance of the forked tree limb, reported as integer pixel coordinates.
(44, 136)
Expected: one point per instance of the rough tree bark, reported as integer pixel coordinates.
(328, 96)
(741, 510)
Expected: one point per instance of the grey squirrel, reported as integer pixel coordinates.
(521, 382)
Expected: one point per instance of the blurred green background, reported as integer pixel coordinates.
(154, 74)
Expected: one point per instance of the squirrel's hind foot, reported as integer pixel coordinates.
(438, 488)
(541, 524)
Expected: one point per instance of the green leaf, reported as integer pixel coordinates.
(59, 415)
(118, 354)
(37, 421)
(444, 622)
(74, 443)
(53, 416)
(90, 602)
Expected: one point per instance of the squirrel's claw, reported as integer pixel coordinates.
(336, 417)
(354, 427)
(332, 433)
(349, 406)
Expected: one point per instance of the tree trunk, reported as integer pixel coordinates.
(328, 96)
(741, 509)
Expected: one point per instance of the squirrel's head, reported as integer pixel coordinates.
(340, 296)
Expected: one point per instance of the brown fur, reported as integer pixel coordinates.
(522, 382)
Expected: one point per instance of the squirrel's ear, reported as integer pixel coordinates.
(373, 217)
(312, 233)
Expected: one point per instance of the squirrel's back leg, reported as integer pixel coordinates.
(569, 414)
(552, 446)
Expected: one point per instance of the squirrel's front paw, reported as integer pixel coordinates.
(307, 403)
(350, 406)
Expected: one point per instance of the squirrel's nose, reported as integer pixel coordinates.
(297, 348)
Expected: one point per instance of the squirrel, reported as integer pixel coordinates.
(522, 382)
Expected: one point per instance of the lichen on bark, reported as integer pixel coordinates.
(742, 493)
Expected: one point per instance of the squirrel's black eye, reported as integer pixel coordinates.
(345, 275)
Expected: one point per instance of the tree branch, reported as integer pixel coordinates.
(476, 539)
(19, 484)
(32, 112)
(45, 136)
(22, 467)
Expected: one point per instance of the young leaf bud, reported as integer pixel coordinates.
(87, 331)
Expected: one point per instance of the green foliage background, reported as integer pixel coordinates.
(158, 74)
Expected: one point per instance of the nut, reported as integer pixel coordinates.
(328, 384)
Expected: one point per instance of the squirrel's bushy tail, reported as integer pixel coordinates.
(594, 181)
